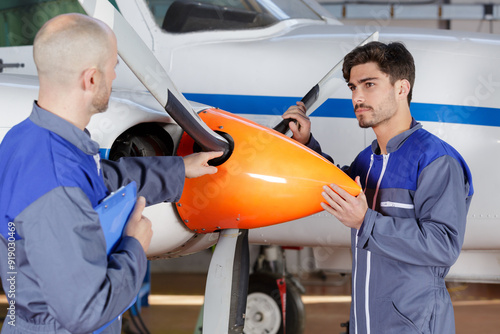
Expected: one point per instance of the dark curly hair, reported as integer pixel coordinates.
(392, 59)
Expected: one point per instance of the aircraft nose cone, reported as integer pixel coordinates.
(269, 179)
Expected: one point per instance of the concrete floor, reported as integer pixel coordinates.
(477, 306)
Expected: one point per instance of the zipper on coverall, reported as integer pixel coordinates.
(368, 256)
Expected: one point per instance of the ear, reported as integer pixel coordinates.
(404, 88)
(89, 79)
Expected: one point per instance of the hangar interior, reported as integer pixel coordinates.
(177, 285)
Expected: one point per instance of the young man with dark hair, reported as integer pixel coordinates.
(408, 224)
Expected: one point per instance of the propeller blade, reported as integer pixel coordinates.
(151, 73)
(324, 88)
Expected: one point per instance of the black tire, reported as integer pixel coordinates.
(264, 306)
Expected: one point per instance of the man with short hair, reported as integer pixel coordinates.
(408, 224)
(51, 180)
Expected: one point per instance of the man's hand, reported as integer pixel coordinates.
(196, 164)
(139, 226)
(302, 130)
(348, 209)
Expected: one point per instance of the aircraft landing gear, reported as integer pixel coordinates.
(264, 312)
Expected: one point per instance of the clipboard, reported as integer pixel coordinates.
(114, 212)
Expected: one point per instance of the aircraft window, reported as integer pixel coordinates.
(20, 20)
(180, 16)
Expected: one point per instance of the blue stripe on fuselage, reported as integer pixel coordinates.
(277, 105)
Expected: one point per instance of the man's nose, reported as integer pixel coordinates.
(357, 96)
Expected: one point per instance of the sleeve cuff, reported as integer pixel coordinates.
(132, 245)
(366, 228)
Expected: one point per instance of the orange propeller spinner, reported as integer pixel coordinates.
(268, 179)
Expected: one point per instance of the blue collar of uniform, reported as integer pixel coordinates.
(64, 129)
(395, 142)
